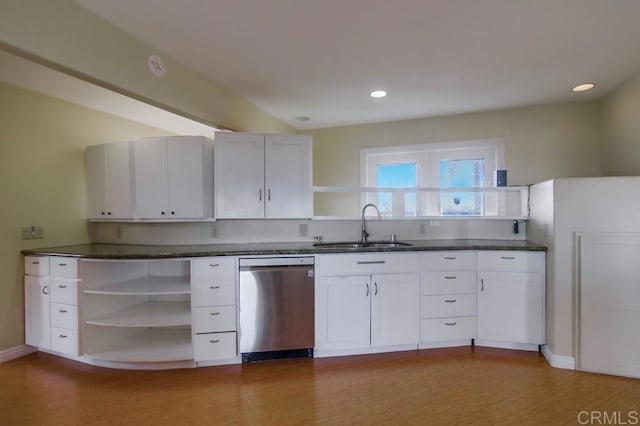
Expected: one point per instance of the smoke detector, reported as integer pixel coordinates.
(156, 66)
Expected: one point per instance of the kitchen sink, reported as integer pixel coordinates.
(360, 244)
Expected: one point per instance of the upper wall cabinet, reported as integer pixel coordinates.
(109, 181)
(263, 176)
(173, 177)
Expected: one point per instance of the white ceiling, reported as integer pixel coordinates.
(321, 59)
(38, 78)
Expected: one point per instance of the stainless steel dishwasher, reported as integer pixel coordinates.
(276, 308)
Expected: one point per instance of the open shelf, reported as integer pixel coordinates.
(149, 314)
(150, 345)
(337, 189)
(495, 217)
(145, 286)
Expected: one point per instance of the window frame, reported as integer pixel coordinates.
(427, 157)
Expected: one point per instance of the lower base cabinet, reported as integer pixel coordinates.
(214, 346)
(356, 310)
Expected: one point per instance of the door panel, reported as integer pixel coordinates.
(395, 309)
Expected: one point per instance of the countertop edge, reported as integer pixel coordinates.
(115, 251)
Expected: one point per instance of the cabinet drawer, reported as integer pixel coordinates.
(449, 282)
(212, 346)
(214, 319)
(378, 263)
(36, 266)
(449, 261)
(213, 292)
(214, 267)
(455, 305)
(64, 267)
(64, 292)
(511, 261)
(440, 329)
(64, 316)
(64, 341)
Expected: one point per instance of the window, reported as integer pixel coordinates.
(467, 164)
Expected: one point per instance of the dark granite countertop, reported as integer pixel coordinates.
(136, 251)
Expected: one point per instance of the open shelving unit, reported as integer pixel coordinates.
(512, 201)
(136, 311)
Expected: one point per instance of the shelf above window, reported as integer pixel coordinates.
(342, 189)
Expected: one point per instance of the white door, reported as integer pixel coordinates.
(288, 176)
(609, 304)
(343, 312)
(151, 177)
(37, 324)
(185, 177)
(95, 163)
(119, 188)
(510, 307)
(395, 309)
(239, 175)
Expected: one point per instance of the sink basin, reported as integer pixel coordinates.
(359, 244)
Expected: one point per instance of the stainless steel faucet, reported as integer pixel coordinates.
(365, 234)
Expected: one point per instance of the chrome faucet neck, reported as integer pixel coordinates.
(365, 234)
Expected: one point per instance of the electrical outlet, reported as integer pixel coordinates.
(214, 231)
(303, 230)
(32, 232)
(423, 228)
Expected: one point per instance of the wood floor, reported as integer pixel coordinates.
(431, 387)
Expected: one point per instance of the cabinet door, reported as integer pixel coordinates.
(395, 309)
(342, 312)
(95, 164)
(118, 185)
(151, 177)
(185, 177)
(511, 307)
(37, 324)
(288, 176)
(239, 175)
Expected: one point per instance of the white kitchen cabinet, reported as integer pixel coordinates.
(109, 181)
(263, 176)
(510, 292)
(448, 300)
(213, 305)
(36, 302)
(173, 177)
(366, 312)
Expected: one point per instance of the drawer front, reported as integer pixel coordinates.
(213, 346)
(213, 292)
(36, 266)
(378, 263)
(214, 267)
(454, 305)
(449, 282)
(449, 261)
(64, 292)
(441, 329)
(64, 316)
(64, 267)
(214, 319)
(64, 341)
(511, 261)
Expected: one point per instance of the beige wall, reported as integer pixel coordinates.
(66, 36)
(621, 130)
(42, 144)
(542, 142)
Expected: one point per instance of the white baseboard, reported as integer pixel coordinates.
(558, 361)
(17, 352)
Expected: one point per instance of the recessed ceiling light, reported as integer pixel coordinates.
(378, 94)
(583, 87)
(303, 118)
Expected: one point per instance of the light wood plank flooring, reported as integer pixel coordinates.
(465, 386)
